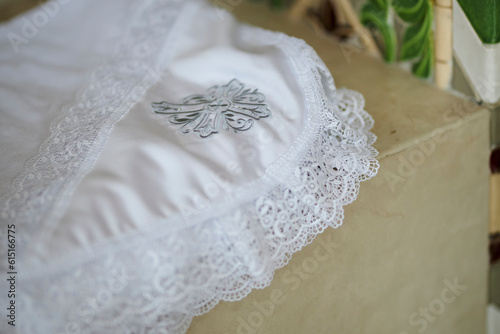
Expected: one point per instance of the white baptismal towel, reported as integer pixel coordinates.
(158, 157)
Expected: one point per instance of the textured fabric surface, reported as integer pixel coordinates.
(134, 221)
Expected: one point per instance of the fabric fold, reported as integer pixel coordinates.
(155, 199)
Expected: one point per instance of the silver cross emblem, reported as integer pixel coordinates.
(227, 107)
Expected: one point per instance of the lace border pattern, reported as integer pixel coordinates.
(160, 284)
(40, 194)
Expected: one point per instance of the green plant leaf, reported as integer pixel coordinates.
(372, 8)
(376, 17)
(423, 68)
(415, 38)
(411, 11)
(382, 4)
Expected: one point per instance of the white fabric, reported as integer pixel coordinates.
(39, 75)
(128, 225)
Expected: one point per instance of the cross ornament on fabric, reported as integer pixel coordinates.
(226, 107)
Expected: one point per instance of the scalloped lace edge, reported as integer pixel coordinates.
(334, 159)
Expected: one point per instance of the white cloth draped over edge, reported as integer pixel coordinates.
(127, 225)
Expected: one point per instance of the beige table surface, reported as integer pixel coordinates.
(417, 228)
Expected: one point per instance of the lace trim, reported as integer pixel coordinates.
(158, 283)
(40, 194)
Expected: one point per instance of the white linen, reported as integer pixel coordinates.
(134, 226)
(42, 69)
